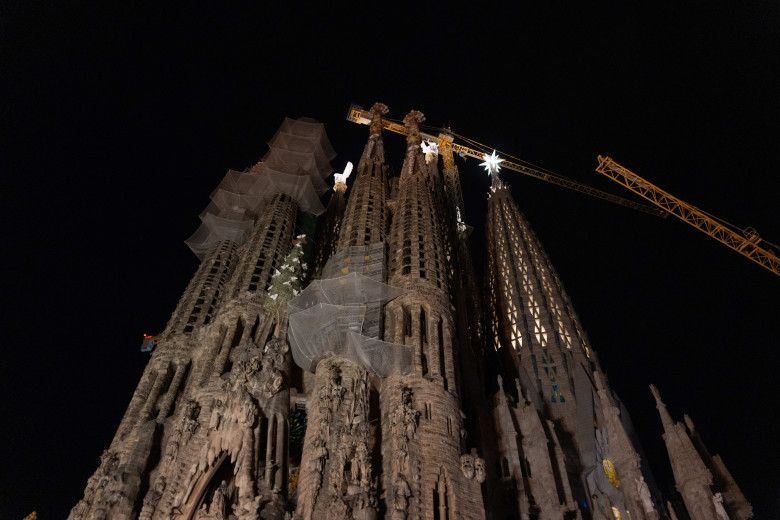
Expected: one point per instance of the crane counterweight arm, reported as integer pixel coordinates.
(746, 243)
(358, 115)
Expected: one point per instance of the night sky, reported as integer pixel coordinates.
(117, 122)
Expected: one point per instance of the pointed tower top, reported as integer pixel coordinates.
(689, 424)
(412, 122)
(657, 396)
(377, 111)
(666, 419)
(491, 164)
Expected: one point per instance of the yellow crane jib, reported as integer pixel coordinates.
(361, 116)
(745, 242)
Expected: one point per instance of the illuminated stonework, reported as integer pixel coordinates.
(400, 409)
(609, 470)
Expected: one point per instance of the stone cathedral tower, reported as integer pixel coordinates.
(359, 388)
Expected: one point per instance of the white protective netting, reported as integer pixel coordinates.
(240, 197)
(302, 145)
(340, 317)
(300, 161)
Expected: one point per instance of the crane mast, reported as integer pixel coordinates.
(447, 148)
(746, 242)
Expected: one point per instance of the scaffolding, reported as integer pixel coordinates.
(340, 315)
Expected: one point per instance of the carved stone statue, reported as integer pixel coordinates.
(479, 469)
(410, 415)
(336, 389)
(316, 467)
(467, 465)
(717, 499)
(644, 494)
(152, 498)
(218, 507)
(401, 494)
(216, 414)
(172, 448)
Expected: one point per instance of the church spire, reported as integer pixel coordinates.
(365, 218)
(692, 477)
(666, 419)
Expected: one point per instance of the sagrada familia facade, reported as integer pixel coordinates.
(360, 372)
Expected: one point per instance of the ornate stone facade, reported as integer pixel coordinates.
(224, 425)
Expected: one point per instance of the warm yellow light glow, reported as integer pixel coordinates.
(609, 469)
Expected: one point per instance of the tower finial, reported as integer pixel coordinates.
(412, 122)
(377, 111)
(341, 178)
(657, 396)
(689, 424)
(666, 419)
(491, 164)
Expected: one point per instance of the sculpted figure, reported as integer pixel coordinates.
(216, 415)
(172, 448)
(320, 455)
(402, 457)
(467, 465)
(479, 469)
(337, 473)
(361, 460)
(410, 415)
(109, 461)
(336, 389)
(644, 494)
(203, 512)
(325, 408)
(218, 508)
(273, 382)
(401, 494)
(152, 498)
(717, 499)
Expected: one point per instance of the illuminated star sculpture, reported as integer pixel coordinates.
(342, 177)
(491, 164)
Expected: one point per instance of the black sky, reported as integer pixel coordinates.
(117, 122)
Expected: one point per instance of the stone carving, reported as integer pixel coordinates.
(337, 391)
(216, 415)
(218, 509)
(644, 494)
(271, 378)
(403, 425)
(467, 465)
(401, 494)
(336, 476)
(190, 420)
(233, 417)
(109, 462)
(717, 499)
(317, 466)
(172, 448)
(152, 498)
(479, 469)
(338, 510)
(411, 416)
(473, 466)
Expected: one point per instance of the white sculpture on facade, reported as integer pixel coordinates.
(342, 177)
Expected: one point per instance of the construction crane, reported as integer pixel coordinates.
(743, 241)
(447, 147)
